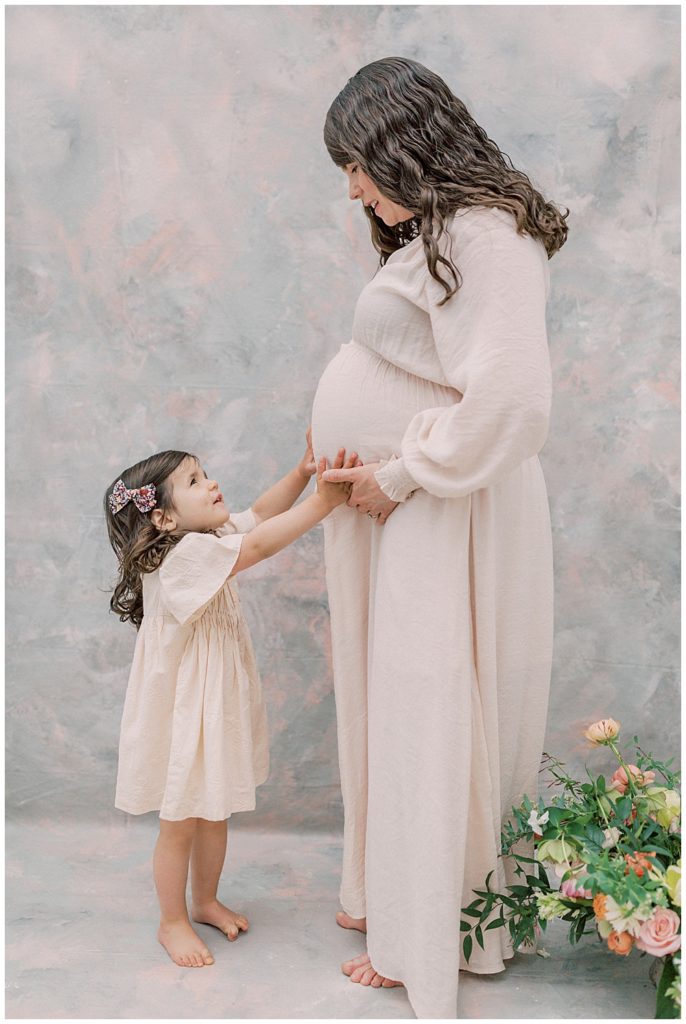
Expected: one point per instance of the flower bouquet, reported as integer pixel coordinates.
(614, 847)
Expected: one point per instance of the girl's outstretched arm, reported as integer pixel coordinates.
(287, 490)
(282, 529)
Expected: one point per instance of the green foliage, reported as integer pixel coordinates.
(588, 829)
(666, 1007)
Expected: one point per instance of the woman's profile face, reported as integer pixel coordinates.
(361, 186)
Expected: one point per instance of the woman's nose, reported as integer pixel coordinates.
(354, 191)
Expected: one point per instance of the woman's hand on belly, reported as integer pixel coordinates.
(366, 495)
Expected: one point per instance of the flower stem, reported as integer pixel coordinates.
(629, 778)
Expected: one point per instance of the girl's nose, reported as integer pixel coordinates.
(354, 190)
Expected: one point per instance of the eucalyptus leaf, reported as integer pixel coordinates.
(623, 807)
(519, 890)
(595, 834)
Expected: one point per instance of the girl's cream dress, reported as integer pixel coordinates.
(194, 729)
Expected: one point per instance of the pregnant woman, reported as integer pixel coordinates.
(439, 568)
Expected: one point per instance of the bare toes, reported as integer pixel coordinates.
(350, 965)
(368, 975)
(376, 981)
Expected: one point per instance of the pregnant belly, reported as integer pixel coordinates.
(364, 403)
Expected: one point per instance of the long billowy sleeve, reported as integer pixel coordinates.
(491, 341)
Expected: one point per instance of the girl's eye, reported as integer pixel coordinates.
(192, 480)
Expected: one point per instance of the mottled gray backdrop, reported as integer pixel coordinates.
(183, 262)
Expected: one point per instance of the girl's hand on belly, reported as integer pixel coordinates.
(366, 495)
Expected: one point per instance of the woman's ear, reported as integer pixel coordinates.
(161, 520)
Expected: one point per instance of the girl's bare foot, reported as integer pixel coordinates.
(184, 947)
(219, 916)
(360, 970)
(346, 921)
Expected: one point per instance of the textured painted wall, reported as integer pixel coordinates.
(183, 262)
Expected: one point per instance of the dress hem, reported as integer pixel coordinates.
(248, 804)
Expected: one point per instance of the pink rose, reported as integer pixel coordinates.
(620, 781)
(571, 891)
(659, 935)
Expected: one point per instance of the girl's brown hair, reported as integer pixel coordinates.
(139, 546)
(423, 150)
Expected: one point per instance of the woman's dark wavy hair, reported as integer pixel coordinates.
(422, 149)
(139, 546)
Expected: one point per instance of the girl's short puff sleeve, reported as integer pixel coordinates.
(239, 522)
(195, 571)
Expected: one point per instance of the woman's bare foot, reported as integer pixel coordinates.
(360, 970)
(219, 916)
(346, 921)
(184, 947)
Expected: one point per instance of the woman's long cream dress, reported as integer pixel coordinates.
(441, 619)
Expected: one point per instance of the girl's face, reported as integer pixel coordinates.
(361, 186)
(198, 502)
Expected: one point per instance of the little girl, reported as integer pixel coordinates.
(194, 733)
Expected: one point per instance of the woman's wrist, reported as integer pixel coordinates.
(395, 480)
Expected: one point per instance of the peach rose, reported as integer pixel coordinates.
(659, 935)
(620, 942)
(638, 862)
(620, 781)
(599, 903)
(603, 731)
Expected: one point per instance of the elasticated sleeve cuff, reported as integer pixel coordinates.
(394, 480)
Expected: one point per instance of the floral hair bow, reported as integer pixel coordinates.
(142, 497)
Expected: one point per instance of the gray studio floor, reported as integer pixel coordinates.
(81, 919)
